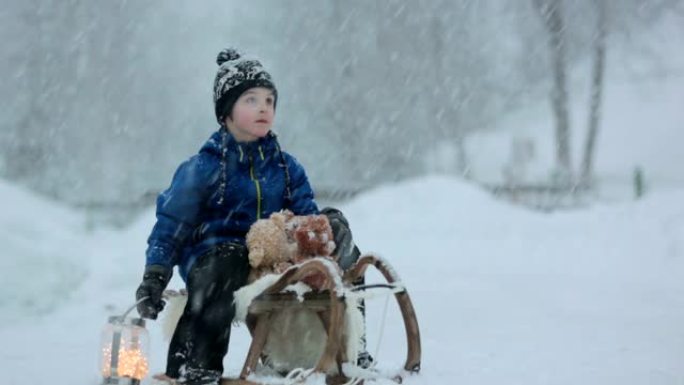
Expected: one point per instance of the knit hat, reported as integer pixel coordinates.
(237, 74)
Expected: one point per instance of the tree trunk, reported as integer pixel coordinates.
(27, 153)
(449, 125)
(596, 92)
(552, 15)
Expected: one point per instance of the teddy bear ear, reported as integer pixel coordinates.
(277, 219)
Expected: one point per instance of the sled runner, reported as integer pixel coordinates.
(277, 302)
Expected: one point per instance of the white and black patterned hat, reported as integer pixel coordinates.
(237, 74)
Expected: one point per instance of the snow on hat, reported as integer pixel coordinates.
(237, 74)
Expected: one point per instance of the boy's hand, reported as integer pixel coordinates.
(346, 251)
(154, 282)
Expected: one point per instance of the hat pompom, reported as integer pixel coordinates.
(227, 54)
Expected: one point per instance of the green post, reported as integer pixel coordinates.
(638, 182)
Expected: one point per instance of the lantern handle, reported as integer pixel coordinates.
(130, 309)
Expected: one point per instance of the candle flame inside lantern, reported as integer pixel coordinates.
(132, 363)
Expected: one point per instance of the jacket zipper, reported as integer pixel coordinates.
(257, 185)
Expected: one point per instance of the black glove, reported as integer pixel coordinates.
(155, 279)
(345, 249)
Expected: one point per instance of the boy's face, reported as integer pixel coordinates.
(252, 115)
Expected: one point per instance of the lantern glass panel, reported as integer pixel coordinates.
(124, 349)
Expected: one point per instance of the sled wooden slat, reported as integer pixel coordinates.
(237, 381)
(330, 380)
(263, 322)
(316, 301)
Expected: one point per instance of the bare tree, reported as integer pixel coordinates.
(447, 115)
(552, 14)
(26, 151)
(598, 70)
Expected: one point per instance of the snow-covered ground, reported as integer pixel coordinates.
(503, 295)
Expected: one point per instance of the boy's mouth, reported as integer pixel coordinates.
(262, 121)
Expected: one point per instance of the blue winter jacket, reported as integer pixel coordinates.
(216, 195)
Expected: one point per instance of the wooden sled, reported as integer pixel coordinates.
(329, 304)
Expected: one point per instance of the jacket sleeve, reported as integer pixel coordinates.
(303, 202)
(178, 209)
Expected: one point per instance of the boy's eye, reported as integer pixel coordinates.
(269, 101)
(250, 99)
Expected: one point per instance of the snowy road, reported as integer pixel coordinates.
(503, 295)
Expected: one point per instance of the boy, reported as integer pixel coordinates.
(238, 176)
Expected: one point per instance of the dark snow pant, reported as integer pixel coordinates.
(201, 338)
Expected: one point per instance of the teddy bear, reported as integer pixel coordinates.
(284, 239)
(314, 238)
(271, 251)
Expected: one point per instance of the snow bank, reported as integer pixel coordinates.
(505, 295)
(39, 256)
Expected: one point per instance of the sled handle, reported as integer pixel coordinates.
(403, 299)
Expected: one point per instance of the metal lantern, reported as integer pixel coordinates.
(125, 351)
